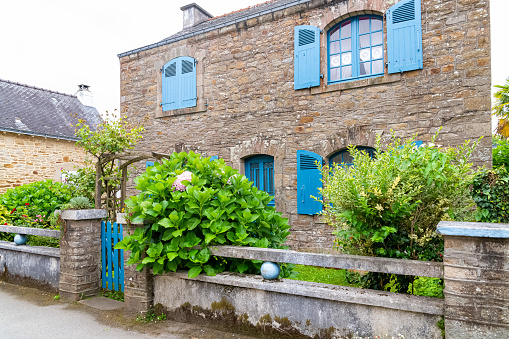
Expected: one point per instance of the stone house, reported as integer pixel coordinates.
(274, 87)
(36, 136)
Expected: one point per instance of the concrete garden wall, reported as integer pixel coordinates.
(35, 266)
(297, 307)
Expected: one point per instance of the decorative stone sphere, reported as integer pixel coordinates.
(270, 270)
(20, 239)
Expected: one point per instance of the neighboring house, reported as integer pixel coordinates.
(277, 86)
(36, 133)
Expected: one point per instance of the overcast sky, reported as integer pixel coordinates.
(58, 44)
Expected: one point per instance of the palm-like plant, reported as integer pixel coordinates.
(501, 109)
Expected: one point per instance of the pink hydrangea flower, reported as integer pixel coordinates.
(178, 185)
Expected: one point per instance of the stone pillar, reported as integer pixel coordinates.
(138, 286)
(476, 273)
(80, 254)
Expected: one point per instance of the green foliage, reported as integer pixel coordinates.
(78, 203)
(390, 205)
(32, 204)
(115, 295)
(501, 109)
(81, 183)
(110, 137)
(490, 191)
(321, 275)
(428, 287)
(501, 152)
(190, 203)
(441, 326)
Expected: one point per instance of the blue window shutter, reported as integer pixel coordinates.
(187, 82)
(417, 143)
(169, 85)
(149, 163)
(214, 157)
(306, 57)
(308, 182)
(404, 36)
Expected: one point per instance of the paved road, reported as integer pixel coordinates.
(27, 313)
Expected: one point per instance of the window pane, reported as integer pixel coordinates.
(347, 158)
(376, 25)
(365, 54)
(376, 38)
(334, 47)
(364, 41)
(378, 66)
(378, 52)
(363, 25)
(336, 159)
(334, 74)
(365, 68)
(346, 30)
(334, 34)
(346, 45)
(335, 60)
(347, 72)
(346, 58)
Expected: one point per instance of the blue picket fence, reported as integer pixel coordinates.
(112, 259)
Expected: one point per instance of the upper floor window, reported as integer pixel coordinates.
(179, 83)
(355, 48)
(260, 170)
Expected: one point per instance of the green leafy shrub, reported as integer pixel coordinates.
(78, 203)
(490, 191)
(500, 152)
(390, 205)
(190, 203)
(32, 204)
(81, 183)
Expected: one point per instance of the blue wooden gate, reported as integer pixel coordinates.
(112, 259)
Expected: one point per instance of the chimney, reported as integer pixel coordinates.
(85, 96)
(194, 14)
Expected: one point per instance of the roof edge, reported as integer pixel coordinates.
(38, 88)
(17, 131)
(205, 30)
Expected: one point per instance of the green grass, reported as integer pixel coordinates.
(320, 275)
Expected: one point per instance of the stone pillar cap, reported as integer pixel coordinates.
(84, 214)
(473, 229)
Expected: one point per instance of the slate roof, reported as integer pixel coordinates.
(36, 111)
(222, 21)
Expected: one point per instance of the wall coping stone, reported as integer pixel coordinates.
(41, 250)
(84, 214)
(346, 294)
(473, 229)
(30, 231)
(343, 261)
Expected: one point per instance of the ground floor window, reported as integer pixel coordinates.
(260, 170)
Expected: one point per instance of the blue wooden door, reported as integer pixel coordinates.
(112, 259)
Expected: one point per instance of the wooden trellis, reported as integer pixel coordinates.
(106, 188)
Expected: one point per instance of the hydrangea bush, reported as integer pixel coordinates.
(189, 203)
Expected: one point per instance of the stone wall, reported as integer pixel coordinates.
(25, 159)
(247, 105)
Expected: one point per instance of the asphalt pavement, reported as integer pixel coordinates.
(27, 313)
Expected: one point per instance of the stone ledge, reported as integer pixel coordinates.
(473, 229)
(30, 231)
(182, 111)
(353, 295)
(84, 214)
(40, 250)
(343, 261)
(341, 86)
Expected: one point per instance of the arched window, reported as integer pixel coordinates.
(344, 156)
(260, 170)
(179, 83)
(355, 48)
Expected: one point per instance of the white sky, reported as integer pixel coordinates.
(58, 44)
